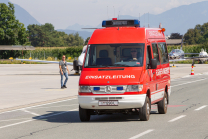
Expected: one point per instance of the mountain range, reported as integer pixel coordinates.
(176, 20)
(22, 15)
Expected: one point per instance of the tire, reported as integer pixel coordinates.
(163, 105)
(144, 112)
(84, 114)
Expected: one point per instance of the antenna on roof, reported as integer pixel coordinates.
(148, 19)
(160, 26)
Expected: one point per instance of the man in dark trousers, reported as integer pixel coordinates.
(63, 71)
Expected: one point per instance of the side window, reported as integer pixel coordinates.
(155, 53)
(148, 57)
(163, 53)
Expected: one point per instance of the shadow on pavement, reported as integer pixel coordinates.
(154, 112)
(60, 117)
(73, 117)
(73, 75)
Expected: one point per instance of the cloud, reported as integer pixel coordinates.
(94, 1)
(62, 13)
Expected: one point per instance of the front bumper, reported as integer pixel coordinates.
(124, 101)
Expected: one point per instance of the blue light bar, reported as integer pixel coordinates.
(137, 22)
(103, 23)
(96, 88)
(121, 23)
(119, 88)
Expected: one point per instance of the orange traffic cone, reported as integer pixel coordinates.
(192, 70)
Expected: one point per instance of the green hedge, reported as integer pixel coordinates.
(189, 48)
(189, 62)
(76, 51)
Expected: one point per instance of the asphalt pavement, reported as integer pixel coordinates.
(187, 118)
(24, 85)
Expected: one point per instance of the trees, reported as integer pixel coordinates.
(12, 32)
(176, 36)
(45, 36)
(86, 41)
(198, 35)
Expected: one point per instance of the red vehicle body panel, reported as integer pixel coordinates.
(117, 35)
(153, 80)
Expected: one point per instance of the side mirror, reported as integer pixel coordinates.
(153, 63)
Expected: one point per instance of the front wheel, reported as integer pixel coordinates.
(144, 112)
(84, 114)
(163, 105)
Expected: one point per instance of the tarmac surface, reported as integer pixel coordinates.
(32, 105)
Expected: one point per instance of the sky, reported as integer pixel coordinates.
(63, 13)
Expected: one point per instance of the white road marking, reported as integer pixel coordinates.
(175, 79)
(38, 105)
(41, 117)
(188, 82)
(14, 119)
(177, 118)
(16, 123)
(55, 114)
(30, 112)
(142, 134)
(200, 108)
(54, 106)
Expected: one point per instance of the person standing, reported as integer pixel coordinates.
(63, 71)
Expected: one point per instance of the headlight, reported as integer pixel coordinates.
(134, 88)
(84, 89)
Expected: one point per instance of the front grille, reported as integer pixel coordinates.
(108, 98)
(108, 89)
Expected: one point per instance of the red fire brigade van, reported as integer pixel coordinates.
(125, 70)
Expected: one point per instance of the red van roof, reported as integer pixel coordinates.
(111, 35)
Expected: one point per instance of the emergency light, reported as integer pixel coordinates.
(121, 23)
(96, 88)
(119, 88)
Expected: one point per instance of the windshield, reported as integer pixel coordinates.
(173, 51)
(115, 55)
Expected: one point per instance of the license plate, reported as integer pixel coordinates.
(108, 103)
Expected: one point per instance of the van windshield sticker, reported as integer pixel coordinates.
(110, 77)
